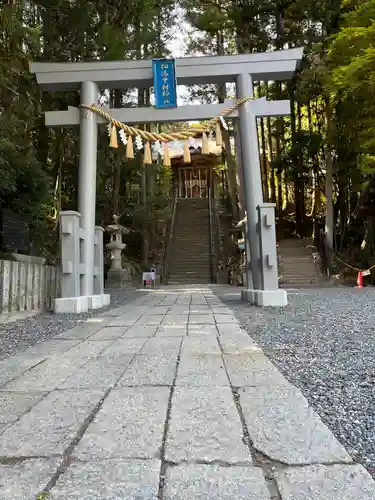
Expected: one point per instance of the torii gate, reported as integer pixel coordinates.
(89, 77)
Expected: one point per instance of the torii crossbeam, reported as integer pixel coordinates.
(89, 77)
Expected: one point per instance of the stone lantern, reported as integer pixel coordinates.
(117, 276)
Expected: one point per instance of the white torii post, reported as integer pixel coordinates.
(88, 134)
(263, 254)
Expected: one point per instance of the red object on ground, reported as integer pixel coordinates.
(360, 279)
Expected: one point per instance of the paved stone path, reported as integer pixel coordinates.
(164, 398)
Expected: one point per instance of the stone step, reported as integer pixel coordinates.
(183, 281)
(189, 270)
(204, 277)
(299, 272)
(180, 269)
(201, 243)
(190, 260)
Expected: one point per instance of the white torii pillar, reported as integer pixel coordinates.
(260, 232)
(261, 272)
(87, 182)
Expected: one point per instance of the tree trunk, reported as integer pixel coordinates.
(330, 224)
(270, 155)
(139, 159)
(264, 160)
(230, 160)
(299, 184)
(117, 102)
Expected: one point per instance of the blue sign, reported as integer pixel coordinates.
(164, 83)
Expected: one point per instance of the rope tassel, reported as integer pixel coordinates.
(187, 157)
(205, 147)
(129, 148)
(147, 158)
(113, 141)
(167, 158)
(219, 137)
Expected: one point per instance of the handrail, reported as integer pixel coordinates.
(169, 241)
(212, 238)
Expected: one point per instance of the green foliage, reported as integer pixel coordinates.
(352, 58)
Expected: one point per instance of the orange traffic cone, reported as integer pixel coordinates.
(360, 279)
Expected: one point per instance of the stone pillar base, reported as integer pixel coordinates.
(271, 298)
(70, 305)
(78, 305)
(98, 301)
(265, 298)
(117, 278)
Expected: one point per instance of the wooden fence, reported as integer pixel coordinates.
(27, 287)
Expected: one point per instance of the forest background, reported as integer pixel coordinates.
(315, 163)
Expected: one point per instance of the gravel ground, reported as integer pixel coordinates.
(324, 343)
(17, 336)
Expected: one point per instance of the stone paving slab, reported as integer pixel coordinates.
(202, 329)
(158, 310)
(109, 333)
(252, 370)
(225, 318)
(125, 321)
(130, 424)
(50, 348)
(100, 373)
(162, 346)
(321, 482)
(115, 312)
(125, 346)
(175, 320)
(50, 374)
(238, 344)
(13, 405)
(198, 308)
(16, 365)
(202, 319)
(202, 370)
(85, 351)
(150, 320)
(204, 345)
(23, 481)
(150, 370)
(141, 331)
(179, 309)
(109, 480)
(205, 426)
(285, 428)
(50, 426)
(212, 482)
(83, 331)
(171, 331)
(225, 329)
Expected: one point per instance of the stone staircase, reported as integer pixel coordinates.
(189, 255)
(298, 268)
